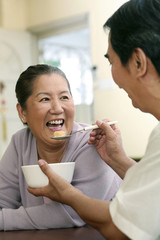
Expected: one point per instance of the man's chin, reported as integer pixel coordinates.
(134, 105)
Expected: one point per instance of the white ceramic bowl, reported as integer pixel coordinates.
(36, 178)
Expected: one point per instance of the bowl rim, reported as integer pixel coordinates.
(51, 164)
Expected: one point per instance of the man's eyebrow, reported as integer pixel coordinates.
(106, 56)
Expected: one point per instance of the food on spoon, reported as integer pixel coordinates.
(59, 134)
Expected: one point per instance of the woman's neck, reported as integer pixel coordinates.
(52, 154)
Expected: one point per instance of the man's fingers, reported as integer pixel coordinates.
(36, 191)
(48, 172)
(45, 168)
(104, 126)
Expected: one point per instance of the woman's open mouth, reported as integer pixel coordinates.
(55, 125)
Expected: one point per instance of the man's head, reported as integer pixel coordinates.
(136, 24)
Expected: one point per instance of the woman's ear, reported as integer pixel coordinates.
(140, 61)
(21, 113)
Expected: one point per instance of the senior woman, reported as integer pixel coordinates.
(134, 54)
(45, 105)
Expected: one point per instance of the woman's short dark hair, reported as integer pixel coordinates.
(136, 24)
(24, 85)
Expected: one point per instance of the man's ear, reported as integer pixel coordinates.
(140, 61)
(21, 113)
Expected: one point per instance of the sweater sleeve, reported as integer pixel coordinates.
(46, 216)
(9, 182)
(1, 221)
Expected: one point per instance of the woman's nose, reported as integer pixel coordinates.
(56, 107)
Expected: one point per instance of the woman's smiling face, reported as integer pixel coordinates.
(50, 107)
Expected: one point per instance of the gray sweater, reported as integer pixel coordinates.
(21, 210)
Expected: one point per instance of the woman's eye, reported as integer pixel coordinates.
(64, 97)
(44, 99)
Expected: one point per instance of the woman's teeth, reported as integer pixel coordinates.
(55, 124)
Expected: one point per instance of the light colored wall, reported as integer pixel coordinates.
(135, 126)
(13, 14)
(109, 102)
(15, 56)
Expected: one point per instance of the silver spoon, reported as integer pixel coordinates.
(83, 129)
